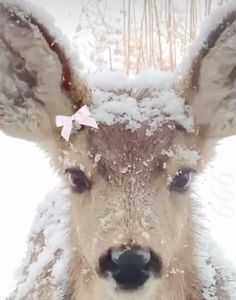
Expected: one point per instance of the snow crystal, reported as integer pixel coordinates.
(190, 156)
(97, 158)
(169, 180)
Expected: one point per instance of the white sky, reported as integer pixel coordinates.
(25, 177)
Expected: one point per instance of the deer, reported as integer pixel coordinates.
(123, 225)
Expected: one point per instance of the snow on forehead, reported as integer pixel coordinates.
(111, 81)
(149, 97)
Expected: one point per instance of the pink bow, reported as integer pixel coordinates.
(82, 116)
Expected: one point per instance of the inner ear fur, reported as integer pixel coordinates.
(207, 46)
(210, 86)
(38, 80)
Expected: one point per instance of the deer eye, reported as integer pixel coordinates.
(78, 180)
(182, 180)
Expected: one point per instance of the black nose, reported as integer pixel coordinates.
(130, 268)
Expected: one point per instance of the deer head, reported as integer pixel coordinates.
(131, 207)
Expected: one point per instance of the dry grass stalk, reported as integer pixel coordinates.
(151, 34)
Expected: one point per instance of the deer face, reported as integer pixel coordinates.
(130, 201)
(130, 180)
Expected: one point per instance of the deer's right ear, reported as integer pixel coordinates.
(37, 81)
(210, 86)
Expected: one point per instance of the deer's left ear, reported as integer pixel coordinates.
(38, 78)
(210, 86)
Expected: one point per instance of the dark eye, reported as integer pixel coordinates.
(182, 180)
(78, 180)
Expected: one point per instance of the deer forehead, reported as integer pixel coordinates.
(137, 131)
(116, 153)
(119, 151)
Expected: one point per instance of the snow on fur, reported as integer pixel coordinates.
(210, 23)
(53, 218)
(116, 99)
(49, 249)
(53, 222)
(25, 9)
(217, 274)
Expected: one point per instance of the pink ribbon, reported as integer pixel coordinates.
(82, 117)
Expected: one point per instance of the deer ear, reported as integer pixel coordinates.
(210, 86)
(37, 81)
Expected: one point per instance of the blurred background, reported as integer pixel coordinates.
(128, 35)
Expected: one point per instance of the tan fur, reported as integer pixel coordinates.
(130, 201)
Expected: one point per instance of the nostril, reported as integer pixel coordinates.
(106, 264)
(130, 268)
